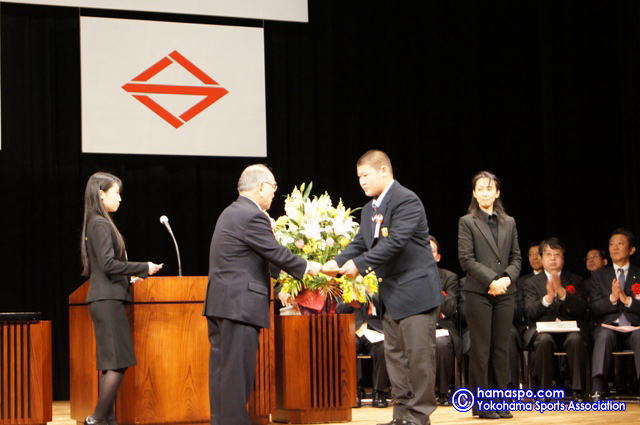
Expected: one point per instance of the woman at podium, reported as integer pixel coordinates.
(104, 260)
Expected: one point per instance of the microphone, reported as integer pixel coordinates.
(165, 221)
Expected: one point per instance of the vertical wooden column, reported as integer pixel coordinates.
(25, 373)
(315, 368)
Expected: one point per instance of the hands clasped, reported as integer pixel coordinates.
(617, 293)
(554, 287)
(499, 286)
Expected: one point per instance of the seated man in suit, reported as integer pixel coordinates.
(447, 345)
(549, 296)
(615, 300)
(368, 322)
(519, 317)
(596, 259)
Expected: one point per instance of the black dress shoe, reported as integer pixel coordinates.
(359, 397)
(379, 399)
(505, 414)
(393, 422)
(90, 420)
(485, 415)
(399, 422)
(444, 399)
(576, 396)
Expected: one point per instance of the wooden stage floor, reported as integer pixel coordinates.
(449, 416)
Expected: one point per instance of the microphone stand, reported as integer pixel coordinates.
(175, 243)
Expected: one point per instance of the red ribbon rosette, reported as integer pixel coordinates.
(635, 288)
(571, 289)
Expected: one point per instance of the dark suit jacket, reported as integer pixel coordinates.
(402, 259)
(602, 311)
(109, 273)
(449, 307)
(574, 307)
(242, 247)
(482, 259)
(519, 315)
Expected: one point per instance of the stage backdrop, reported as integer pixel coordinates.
(172, 88)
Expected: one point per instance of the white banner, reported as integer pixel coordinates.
(276, 10)
(172, 88)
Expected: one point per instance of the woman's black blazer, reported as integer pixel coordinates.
(109, 274)
(481, 258)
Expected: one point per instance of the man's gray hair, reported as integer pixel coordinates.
(252, 176)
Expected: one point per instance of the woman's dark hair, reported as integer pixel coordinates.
(93, 206)
(474, 208)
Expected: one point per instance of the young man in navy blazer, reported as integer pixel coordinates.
(393, 241)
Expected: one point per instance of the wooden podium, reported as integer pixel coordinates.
(25, 372)
(170, 383)
(316, 368)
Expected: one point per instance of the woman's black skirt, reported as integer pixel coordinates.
(114, 345)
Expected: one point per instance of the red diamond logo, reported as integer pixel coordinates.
(140, 88)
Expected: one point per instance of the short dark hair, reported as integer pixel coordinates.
(435, 241)
(625, 232)
(553, 243)
(376, 159)
(600, 252)
(535, 244)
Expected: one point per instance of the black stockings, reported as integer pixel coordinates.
(108, 388)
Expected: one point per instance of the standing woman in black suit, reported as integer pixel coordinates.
(489, 254)
(104, 261)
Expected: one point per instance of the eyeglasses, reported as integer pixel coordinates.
(273, 185)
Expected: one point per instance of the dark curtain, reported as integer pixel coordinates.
(544, 94)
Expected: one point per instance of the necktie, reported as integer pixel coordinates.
(622, 320)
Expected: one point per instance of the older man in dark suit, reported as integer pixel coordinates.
(237, 302)
(448, 347)
(393, 241)
(614, 302)
(556, 294)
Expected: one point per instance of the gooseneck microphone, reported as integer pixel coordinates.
(165, 221)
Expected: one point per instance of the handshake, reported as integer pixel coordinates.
(331, 268)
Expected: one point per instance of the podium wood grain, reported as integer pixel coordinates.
(169, 384)
(315, 368)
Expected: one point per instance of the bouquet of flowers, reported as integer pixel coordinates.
(317, 231)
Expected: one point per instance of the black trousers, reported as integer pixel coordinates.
(489, 321)
(380, 378)
(232, 370)
(515, 349)
(410, 353)
(605, 341)
(545, 344)
(444, 364)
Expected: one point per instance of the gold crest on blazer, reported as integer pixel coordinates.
(385, 232)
